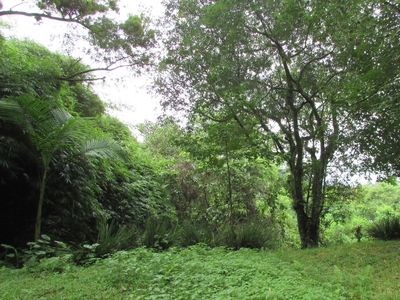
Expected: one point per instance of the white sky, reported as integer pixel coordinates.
(130, 93)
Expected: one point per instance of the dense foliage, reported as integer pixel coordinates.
(300, 80)
(46, 137)
(279, 98)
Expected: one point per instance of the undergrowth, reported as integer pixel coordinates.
(367, 270)
(387, 228)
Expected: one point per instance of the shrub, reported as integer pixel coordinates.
(196, 233)
(161, 233)
(112, 238)
(385, 229)
(336, 234)
(255, 233)
(46, 255)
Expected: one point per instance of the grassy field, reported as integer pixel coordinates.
(368, 270)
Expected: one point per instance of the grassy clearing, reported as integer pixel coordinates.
(368, 270)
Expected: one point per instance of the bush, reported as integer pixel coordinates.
(161, 233)
(45, 255)
(195, 233)
(255, 234)
(336, 234)
(112, 238)
(385, 229)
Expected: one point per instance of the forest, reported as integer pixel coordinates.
(272, 112)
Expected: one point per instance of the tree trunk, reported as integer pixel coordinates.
(308, 215)
(38, 224)
(229, 180)
(299, 206)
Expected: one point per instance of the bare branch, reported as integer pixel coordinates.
(80, 80)
(109, 68)
(17, 5)
(38, 16)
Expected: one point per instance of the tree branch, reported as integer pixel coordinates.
(39, 16)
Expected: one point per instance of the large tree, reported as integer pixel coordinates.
(278, 69)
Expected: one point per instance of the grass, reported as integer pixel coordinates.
(368, 270)
(376, 263)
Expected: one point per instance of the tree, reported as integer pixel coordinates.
(375, 85)
(277, 69)
(215, 184)
(50, 130)
(117, 44)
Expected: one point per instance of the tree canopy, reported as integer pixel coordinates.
(286, 71)
(113, 43)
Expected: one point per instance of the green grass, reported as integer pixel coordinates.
(368, 270)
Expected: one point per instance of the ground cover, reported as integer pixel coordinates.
(367, 270)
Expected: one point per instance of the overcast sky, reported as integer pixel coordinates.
(131, 92)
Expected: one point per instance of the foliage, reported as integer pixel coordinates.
(357, 271)
(78, 189)
(44, 255)
(361, 208)
(255, 233)
(30, 68)
(378, 201)
(274, 75)
(198, 233)
(293, 80)
(85, 254)
(112, 239)
(375, 89)
(210, 188)
(116, 44)
(161, 233)
(387, 228)
(50, 130)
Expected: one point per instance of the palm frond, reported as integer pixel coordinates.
(27, 112)
(104, 148)
(60, 116)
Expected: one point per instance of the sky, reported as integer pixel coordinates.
(120, 88)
